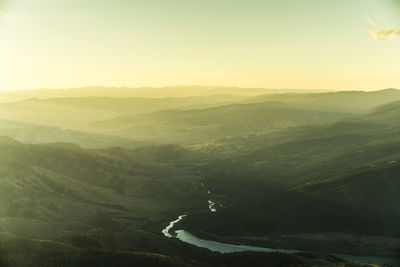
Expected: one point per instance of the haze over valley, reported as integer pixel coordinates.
(199, 133)
(303, 171)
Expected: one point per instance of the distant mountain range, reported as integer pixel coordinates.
(147, 92)
(310, 171)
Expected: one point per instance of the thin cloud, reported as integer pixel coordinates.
(384, 34)
(372, 23)
(379, 34)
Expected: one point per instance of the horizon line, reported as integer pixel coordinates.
(192, 86)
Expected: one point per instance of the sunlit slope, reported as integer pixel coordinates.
(344, 101)
(328, 149)
(288, 111)
(379, 126)
(383, 121)
(195, 119)
(35, 134)
(202, 125)
(9, 124)
(388, 113)
(47, 134)
(49, 190)
(75, 112)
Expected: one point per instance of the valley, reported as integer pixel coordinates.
(300, 178)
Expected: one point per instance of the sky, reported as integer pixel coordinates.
(305, 44)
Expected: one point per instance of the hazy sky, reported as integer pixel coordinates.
(246, 43)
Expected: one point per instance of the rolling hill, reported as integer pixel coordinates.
(204, 125)
(288, 173)
(337, 182)
(75, 112)
(51, 189)
(357, 102)
(36, 134)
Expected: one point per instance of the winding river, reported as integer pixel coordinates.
(215, 246)
(166, 230)
(187, 237)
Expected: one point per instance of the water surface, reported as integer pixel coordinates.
(215, 246)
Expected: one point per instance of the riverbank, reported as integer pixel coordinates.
(266, 244)
(325, 242)
(215, 246)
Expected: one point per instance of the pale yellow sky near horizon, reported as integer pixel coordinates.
(308, 44)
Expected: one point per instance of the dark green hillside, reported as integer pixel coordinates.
(49, 190)
(280, 177)
(61, 205)
(47, 253)
(338, 183)
(360, 202)
(354, 212)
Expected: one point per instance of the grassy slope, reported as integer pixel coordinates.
(340, 177)
(48, 190)
(56, 253)
(62, 205)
